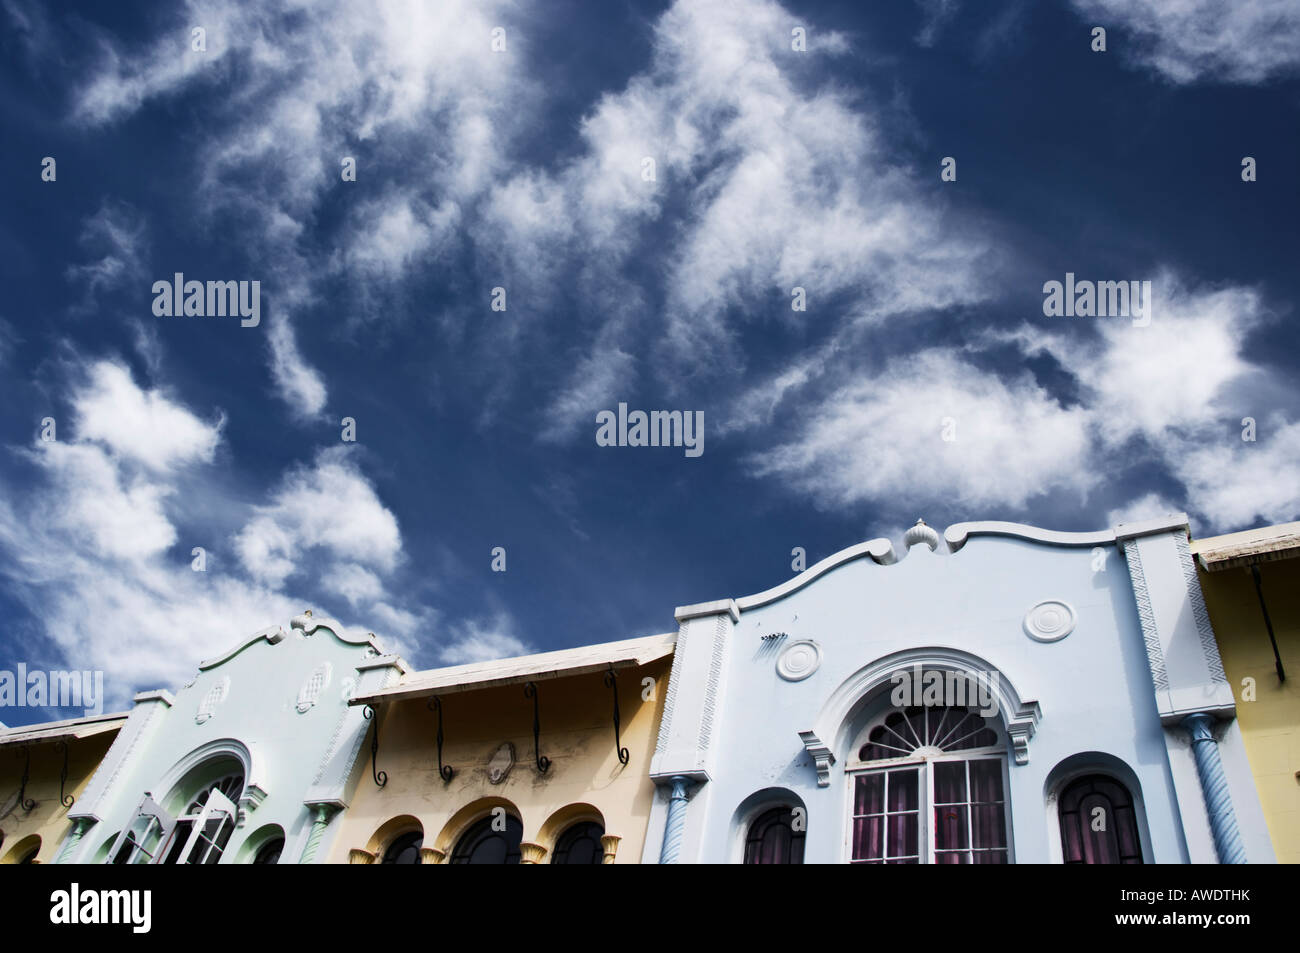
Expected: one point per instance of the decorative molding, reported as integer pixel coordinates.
(499, 765)
(212, 700)
(1214, 787)
(132, 734)
(1050, 620)
(958, 533)
(702, 609)
(1209, 647)
(531, 853)
(1019, 715)
(1162, 524)
(431, 855)
(880, 551)
(157, 695)
(609, 847)
(311, 689)
(675, 675)
(358, 856)
(798, 660)
(822, 756)
(921, 533)
(711, 686)
(272, 633)
(1146, 615)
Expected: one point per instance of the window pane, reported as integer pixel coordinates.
(950, 782)
(950, 831)
(986, 780)
(902, 832)
(1098, 823)
(989, 824)
(869, 837)
(869, 794)
(902, 789)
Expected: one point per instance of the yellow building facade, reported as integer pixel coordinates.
(1251, 583)
(538, 759)
(43, 770)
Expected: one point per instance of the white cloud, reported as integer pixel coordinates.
(355, 583)
(330, 506)
(399, 85)
(483, 640)
(118, 516)
(1187, 41)
(1146, 507)
(1236, 483)
(143, 426)
(117, 235)
(881, 440)
(1182, 386)
(298, 383)
(98, 549)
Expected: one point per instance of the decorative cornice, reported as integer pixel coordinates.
(358, 856)
(156, 695)
(431, 855)
(273, 634)
(701, 609)
(880, 551)
(1152, 527)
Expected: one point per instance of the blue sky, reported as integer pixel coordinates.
(524, 169)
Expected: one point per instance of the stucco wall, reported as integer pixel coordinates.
(1269, 724)
(577, 735)
(48, 820)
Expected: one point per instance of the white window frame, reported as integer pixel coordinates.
(925, 796)
(147, 808)
(216, 804)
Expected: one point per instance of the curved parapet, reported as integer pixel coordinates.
(957, 534)
(880, 550)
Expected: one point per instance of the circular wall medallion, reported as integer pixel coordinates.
(1050, 621)
(799, 660)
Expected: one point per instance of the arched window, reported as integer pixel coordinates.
(773, 838)
(213, 828)
(483, 845)
(580, 844)
(1098, 822)
(269, 853)
(928, 788)
(405, 849)
(199, 834)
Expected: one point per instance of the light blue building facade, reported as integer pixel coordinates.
(1077, 710)
(251, 762)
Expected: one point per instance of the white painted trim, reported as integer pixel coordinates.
(1085, 768)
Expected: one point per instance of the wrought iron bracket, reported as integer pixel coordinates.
(543, 763)
(66, 800)
(27, 803)
(381, 778)
(445, 771)
(611, 681)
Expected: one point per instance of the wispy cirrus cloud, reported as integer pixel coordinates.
(1191, 41)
